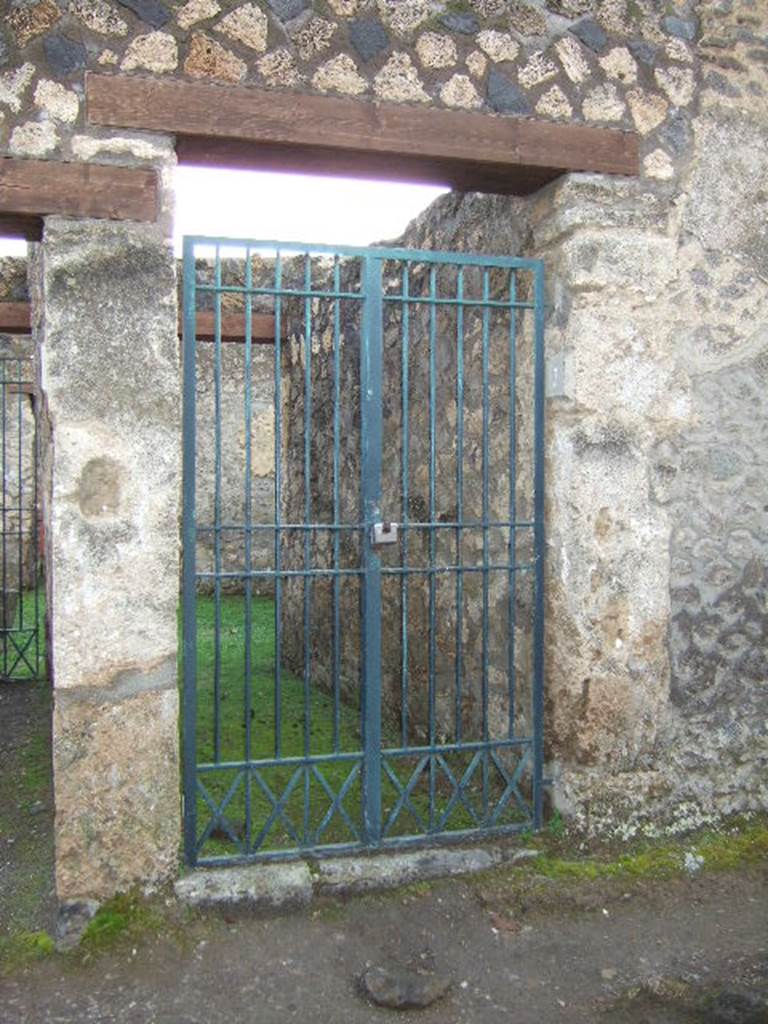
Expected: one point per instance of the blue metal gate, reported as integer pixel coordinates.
(363, 543)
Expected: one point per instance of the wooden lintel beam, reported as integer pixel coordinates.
(17, 226)
(233, 327)
(256, 128)
(33, 188)
(15, 318)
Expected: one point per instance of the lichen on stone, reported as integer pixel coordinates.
(278, 68)
(340, 74)
(658, 165)
(195, 11)
(648, 110)
(13, 85)
(156, 51)
(399, 80)
(555, 104)
(678, 83)
(499, 46)
(99, 16)
(209, 59)
(603, 104)
(572, 58)
(436, 50)
(619, 64)
(538, 69)
(459, 92)
(476, 63)
(403, 16)
(30, 20)
(57, 102)
(34, 138)
(314, 37)
(247, 25)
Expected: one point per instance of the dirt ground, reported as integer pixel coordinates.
(640, 951)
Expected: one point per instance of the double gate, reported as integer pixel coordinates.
(363, 545)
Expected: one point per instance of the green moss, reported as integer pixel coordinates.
(735, 846)
(125, 916)
(23, 948)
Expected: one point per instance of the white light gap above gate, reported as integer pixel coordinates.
(294, 207)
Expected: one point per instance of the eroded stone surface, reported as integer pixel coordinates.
(35, 138)
(603, 104)
(13, 85)
(648, 112)
(314, 37)
(209, 59)
(572, 58)
(99, 16)
(246, 24)
(398, 80)
(554, 103)
(340, 74)
(459, 91)
(156, 52)
(436, 50)
(57, 102)
(128, 271)
(279, 68)
(499, 46)
(197, 10)
(116, 780)
(30, 20)
(538, 69)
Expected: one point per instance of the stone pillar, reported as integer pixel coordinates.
(106, 302)
(612, 269)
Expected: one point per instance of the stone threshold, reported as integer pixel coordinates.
(294, 884)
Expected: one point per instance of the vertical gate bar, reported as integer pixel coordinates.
(217, 374)
(539, 539)
(278, 405)
(189, 616)
(405, 512)
(370, 464)
(459, 500)
(307, 533)
(485, 520)
(5, 516)
(432, 656)
(336, 505)
(19, 619)
(512, 540)
(248, 510)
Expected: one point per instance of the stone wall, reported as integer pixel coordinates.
(658, 290)
(657, 538)
(615, 63)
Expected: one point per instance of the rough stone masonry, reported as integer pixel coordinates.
(656, 673)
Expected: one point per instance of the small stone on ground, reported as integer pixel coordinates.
(401, 989)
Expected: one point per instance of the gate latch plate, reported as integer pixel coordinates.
(384, 533)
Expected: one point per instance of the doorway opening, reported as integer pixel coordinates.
(362, 634)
